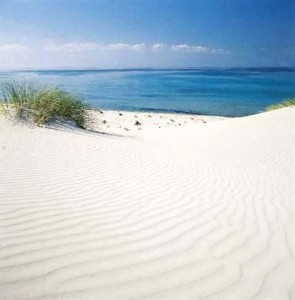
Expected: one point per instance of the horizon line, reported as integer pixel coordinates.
(142, 68)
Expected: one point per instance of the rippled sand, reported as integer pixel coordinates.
(202, 211)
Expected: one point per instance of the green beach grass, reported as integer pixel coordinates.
(286, 103)
(29, 101)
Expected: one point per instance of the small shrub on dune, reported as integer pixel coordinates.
(17, 95)
(44, 104)
(286, 103)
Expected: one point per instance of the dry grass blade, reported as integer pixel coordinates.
(44, 104)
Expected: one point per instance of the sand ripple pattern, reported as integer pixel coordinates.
(201, 212)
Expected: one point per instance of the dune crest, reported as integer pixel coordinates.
(194, 212)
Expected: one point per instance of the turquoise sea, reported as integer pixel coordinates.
(209, 91)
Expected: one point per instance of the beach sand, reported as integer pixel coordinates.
(197, 211)
(132, 123)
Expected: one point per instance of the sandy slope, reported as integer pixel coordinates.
(134, 123)
(198, 212)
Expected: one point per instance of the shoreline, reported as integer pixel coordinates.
(164, 111)
(126, 123)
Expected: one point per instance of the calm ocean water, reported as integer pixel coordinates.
(226, 92)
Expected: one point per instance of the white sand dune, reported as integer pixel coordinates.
(133, 123)
(196, 212)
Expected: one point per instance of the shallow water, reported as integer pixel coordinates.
(225, 92)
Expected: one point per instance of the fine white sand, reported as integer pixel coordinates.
(133, 123)
(203, 211)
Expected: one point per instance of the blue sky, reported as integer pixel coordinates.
(146, 33)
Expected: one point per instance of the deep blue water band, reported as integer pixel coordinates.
(209, 91)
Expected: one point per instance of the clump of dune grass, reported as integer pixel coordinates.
(286, 103)
(44, 104)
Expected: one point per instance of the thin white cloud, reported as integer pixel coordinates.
(123, 46)
(14, 48)
(158, 47)
(83, 47)
(186, 48)
(190, 48)
(71, 47)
